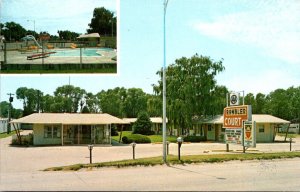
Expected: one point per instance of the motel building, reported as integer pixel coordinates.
(156, 124)
(3, 125)
(69, 128)
(266, 128)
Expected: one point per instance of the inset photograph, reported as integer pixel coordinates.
(71, 36)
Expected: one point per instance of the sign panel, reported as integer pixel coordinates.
(233, 136)
(249, 132)
(234, 99)
(235, 115)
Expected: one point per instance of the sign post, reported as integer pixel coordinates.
(240, 130)
(249, 132)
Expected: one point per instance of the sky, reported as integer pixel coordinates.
(258, 40)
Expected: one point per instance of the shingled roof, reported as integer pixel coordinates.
(70, 119)
(259, 118)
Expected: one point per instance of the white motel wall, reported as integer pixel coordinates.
(40, 139)
(3, 125)
(266, 128)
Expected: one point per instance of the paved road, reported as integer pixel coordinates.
(279, 175)
(20, 169)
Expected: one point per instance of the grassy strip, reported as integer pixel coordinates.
(3, 135)
(290, 135)
(107, 70)
(152, 161)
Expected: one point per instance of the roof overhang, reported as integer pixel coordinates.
(91, 35)
(70, 119)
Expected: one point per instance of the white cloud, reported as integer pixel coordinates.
(260, 82)
(274, 28)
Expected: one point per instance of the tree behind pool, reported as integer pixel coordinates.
(103, 22)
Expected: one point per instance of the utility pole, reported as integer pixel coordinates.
(164, 90)
(11, 99)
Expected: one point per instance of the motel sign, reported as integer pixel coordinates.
(235, 115)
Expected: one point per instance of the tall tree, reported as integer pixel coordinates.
(92, 104)
(218, 100)
(103, 22)
(4, 108)
(112, 101)
(12, 31)
(190, 82)
(260, 101)
(68, 97)
(135, 102)
(278, 104)
(250, 100)
(31, 99)
(154, 105)
(67, 35)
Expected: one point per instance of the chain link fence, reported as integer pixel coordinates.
(58, 57)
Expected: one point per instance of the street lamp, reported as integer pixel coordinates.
(179, 141)
(164, 88)
(90, 147)
(33, 25)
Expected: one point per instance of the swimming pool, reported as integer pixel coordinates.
(86, 52)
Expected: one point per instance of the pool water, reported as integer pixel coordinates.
(86, 52)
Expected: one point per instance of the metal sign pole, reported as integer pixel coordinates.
(164, 88)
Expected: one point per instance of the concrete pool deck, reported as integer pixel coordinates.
(16, 57)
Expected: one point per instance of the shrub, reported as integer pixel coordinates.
(194, 138)
(25, 140)
(142, 125)
(114, 131)
(137, 138)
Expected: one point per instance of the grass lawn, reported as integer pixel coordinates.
(171, 159)
(3, 135)
(153, 138)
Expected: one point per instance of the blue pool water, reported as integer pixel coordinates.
(86, 52)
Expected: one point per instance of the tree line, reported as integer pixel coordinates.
(103, 22)
(192, 94)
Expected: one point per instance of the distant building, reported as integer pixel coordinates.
(92, 39)
(3, 125)
(156, 124)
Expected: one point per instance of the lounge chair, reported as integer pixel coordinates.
(40, 55)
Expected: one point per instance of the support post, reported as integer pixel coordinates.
(179, 146)
(5, 53)
(168, 143)
(120, 138)
(80, 57)
(62, 134)
(227, 147)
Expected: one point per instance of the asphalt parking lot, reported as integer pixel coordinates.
(23, 159)
(20, 167)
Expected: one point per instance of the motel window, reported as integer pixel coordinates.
(209, 128)
(48, 131)
(52, 131)
(56, 131)
(261, 129)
